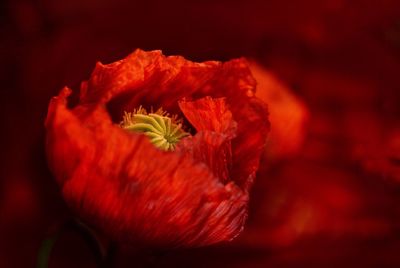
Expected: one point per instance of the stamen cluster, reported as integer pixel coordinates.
(164, 131)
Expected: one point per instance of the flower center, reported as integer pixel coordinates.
(163, 130)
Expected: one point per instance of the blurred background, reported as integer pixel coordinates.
(328, 189)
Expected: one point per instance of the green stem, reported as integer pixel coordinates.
(103, 257)
(45, 251)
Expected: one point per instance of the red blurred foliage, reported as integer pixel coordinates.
(334, 204)
(287, 113)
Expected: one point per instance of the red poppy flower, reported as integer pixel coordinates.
(132, 185)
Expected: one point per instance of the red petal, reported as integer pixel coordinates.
(133, 191)
(249, 143)
(212, 149)
(147, 78)
(212, 144)
(209, 114)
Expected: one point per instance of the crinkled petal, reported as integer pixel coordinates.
(121, 183)
(213, 115)
(212, 149)
(209, 114)
(147, 78)
(249, 143)
(216, 128)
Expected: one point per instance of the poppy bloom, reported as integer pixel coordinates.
(141, 175)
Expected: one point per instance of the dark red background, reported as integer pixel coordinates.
(336, 203)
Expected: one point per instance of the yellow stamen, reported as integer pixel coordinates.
(163, 130)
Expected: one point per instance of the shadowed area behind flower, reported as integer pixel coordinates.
(332, 201)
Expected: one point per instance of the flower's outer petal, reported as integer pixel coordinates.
(147, 78)
(121, 183)
(63, 169)
(163, 80)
